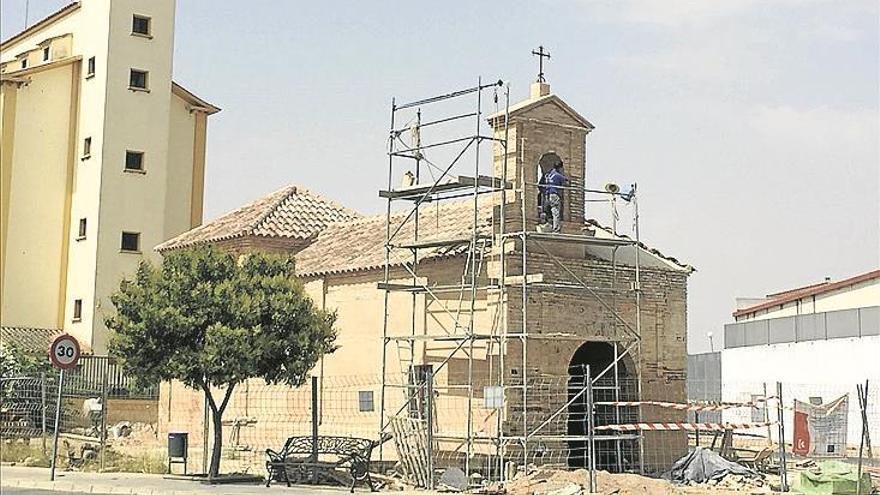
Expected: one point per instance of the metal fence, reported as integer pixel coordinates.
(97, 407)
(622, 434)
(578, 424)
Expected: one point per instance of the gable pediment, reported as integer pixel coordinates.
(550, 109)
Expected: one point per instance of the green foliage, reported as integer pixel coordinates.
(15, 361)
(206, 318)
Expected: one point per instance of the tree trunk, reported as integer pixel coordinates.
(217, 419)
(217, 448)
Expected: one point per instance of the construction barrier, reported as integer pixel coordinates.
(684, 426)
(690, 406)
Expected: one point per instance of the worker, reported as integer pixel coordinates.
(554, 181)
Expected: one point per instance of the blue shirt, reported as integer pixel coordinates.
(552, 180)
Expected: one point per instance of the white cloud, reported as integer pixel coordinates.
(702, 13)
(702, 63)
(831, 32)
(854, 129)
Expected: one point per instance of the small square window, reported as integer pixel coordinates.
(46, 54)
(134, 161)
(87, 147)
(365, 401)
(131, 241)
(140, 25)
(77, 309)
(81, 232)
(137, 79)
(90, 67)
(24, 63)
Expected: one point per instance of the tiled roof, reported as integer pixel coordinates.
(360, 244)
(291, 213)
(27, 338)
(784, 297)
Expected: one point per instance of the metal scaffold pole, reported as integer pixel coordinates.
(638, 290)
(473, 281)
(387, 274)
(525, 299)
(502, 303)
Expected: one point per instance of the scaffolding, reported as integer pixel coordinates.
(485, 248)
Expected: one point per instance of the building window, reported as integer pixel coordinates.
(24, 63)
(137, 79)
(45, 54)
(365, 401)
(140, 25)
(131, 241)
(87, 148)
(81, 232)
(134, 161)
(77, 309)
(90, 67)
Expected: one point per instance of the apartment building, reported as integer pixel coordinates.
(103, 157)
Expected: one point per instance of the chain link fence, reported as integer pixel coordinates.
(111, 422)
(101, 412)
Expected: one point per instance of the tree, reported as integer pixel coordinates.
(213, 320)
(18, 361)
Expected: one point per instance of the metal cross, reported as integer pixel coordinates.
(541, 55)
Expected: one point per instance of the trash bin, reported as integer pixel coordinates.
(177, 444)
(177, 449)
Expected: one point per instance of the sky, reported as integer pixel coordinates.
(751, 127)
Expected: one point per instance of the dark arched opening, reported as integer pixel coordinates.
(546, 163)
(599, 357)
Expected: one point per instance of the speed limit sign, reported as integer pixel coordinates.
(64, 352)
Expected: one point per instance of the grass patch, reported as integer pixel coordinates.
(31, 454)
(24, 453)
(119, 463)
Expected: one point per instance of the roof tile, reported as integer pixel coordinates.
(292, 212)
(28, 338)
(360, 244)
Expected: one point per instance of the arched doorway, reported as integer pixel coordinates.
(617, 383)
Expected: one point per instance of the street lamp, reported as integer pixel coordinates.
(711, 344)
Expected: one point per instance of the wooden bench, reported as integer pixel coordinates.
(296, 462)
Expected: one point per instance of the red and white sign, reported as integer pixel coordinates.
(64, 352)
(820, 430)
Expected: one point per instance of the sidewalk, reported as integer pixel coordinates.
(147, 484)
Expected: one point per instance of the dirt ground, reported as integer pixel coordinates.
(566, 483)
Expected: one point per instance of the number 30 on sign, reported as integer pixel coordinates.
(64, 352)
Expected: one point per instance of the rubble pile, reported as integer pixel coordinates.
(559, 482)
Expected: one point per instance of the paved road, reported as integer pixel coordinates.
(25, 491)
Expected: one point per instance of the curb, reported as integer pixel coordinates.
(70, 486)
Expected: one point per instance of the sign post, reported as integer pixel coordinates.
(64, 354)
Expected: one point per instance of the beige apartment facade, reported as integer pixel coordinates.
(103, 157)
